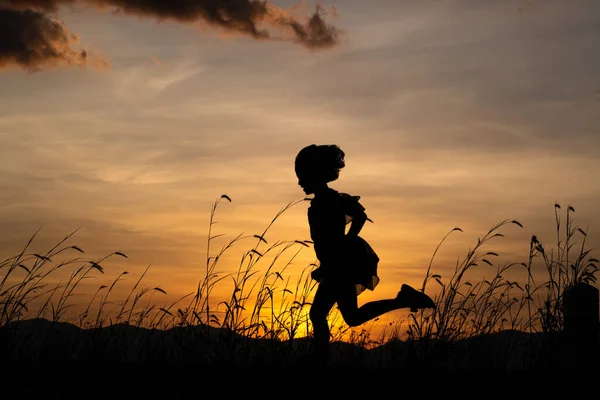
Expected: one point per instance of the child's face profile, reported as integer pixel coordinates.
(306, 182)
(306, 185)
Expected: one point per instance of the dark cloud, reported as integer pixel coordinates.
(31, 38)
(40, 5)
(249, 17)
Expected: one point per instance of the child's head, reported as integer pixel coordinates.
(319, 163)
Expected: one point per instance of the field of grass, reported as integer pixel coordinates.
(491, 325)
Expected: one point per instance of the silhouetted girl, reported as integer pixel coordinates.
(347, 264)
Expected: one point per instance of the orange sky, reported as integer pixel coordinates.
(452, 113)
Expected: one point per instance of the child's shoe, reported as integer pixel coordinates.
(415, 298)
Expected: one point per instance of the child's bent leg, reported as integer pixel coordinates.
(354, 315)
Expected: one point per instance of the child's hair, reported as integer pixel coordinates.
(320, 162)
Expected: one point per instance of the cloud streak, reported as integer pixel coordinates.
(33, 39)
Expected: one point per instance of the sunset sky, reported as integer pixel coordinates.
(452, 113)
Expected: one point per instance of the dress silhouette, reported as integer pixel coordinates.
(347, 263)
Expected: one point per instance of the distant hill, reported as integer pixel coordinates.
(43, 341)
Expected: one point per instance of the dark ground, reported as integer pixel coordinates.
(39, 360)
(132, 381)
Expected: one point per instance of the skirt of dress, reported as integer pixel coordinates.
(361, 261)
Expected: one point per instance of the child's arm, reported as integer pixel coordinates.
(357, 212)
(358, 221)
